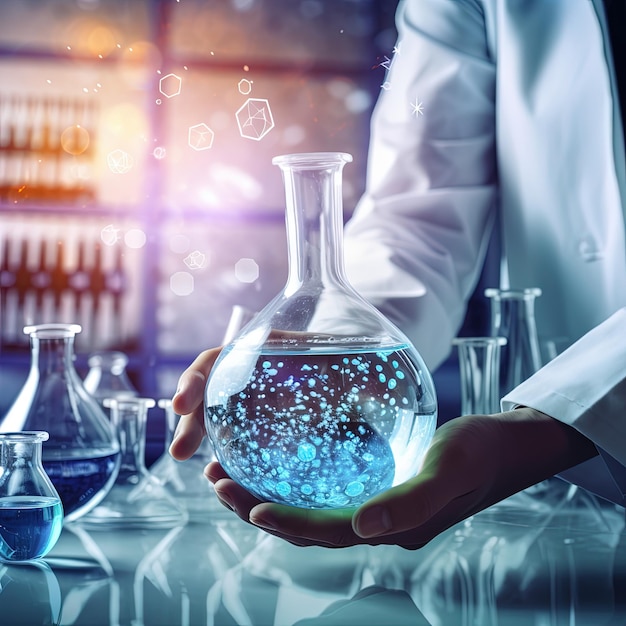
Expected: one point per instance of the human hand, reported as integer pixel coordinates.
(188, 403)
(473, 462)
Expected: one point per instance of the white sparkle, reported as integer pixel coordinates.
(417, 107)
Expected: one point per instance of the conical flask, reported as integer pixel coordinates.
(137, 499)
(82, 455)
(320, 401)
(107, 377)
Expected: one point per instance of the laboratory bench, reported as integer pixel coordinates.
(530, 560)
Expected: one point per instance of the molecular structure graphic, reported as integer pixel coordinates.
(200, 137)
(195, 260)
(109, 235)
(170, 85)
(254, 119)
(119, 162)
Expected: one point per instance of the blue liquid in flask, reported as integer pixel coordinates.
(81, 481)
(29, 526)
(319, 429)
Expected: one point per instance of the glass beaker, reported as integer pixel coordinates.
(185, 480)
(82, 455)
(320, 401)
(479, 367)
(31, 514)
(107, 377)
(136, 500)
(513, 317)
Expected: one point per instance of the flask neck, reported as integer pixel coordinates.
(20, 454)
(129, 416)
(52, 354)
(314, 220)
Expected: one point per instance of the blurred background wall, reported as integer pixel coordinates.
(137, 194)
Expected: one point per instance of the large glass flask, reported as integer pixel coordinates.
(31, 514)
(319, 402)
(137, 499)
(82, 454)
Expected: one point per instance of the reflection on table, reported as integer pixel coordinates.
(563, 562)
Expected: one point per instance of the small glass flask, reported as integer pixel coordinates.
(319, 401)
(479, 367)
(136, 500)
(513, 317)
(107, 377)
(31, 513)
(82, 455)
(185, 480)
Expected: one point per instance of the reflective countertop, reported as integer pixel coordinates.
(522, 562)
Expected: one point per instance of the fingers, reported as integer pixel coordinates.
(449, 472)
(188, 403)
(191, 383)
(188, 436)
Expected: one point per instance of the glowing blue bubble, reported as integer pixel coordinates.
(283, 488)
(355, 488)
(392, 383)
(306, 452)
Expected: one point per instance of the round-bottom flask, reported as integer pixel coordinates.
(82, 455)
(31, 513)
(320, 401)
(137, 499)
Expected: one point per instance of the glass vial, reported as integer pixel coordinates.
(319, 401)
(137, 499)
(31, 513)
(479, 367)
(513, 317)
(82, 455)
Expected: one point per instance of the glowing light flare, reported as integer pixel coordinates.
(123, 121)
(75, 140)
(182, 283)
(135, 238)
(246, 270)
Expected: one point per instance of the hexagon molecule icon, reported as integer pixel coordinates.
(200, 137)
(169, 85)
(255, 119)
(119, 162)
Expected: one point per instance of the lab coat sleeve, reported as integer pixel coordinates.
(415, 244)
(585, 387)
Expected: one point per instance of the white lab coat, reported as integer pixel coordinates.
(505, 112)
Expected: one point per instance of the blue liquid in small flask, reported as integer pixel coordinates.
(319, 401)
(31, 513)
